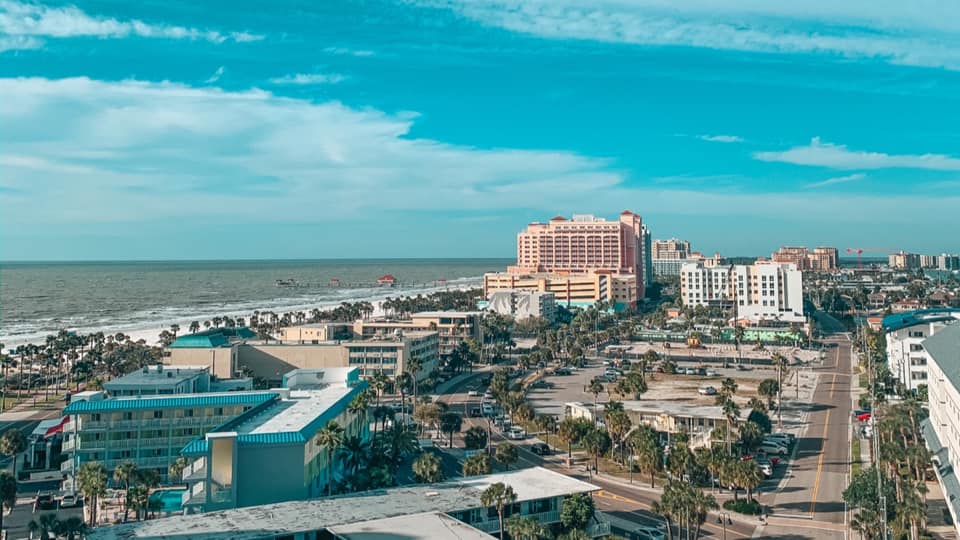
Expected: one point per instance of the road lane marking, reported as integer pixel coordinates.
(823, 451)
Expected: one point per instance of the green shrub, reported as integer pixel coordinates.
(751, 507)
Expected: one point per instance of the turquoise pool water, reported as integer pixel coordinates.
(170, 499)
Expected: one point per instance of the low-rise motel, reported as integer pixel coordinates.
(541, 495)
(247, 447)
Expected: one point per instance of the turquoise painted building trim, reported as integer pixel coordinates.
(171, 402)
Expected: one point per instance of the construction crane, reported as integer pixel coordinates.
(861, 251)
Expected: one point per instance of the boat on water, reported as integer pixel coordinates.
(387, 280)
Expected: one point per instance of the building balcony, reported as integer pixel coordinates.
(196, 471)
(492, 526)
(69, 445)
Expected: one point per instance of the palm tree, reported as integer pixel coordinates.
(8, 494)
(547, 424)
(175, 470)
(359, 406)
(475, 438)
(781, 364)
(400, 443)
(749, 477)
(354, 451)
(525, 528)
(12, 443)
(451, 423)
(44, 525)
(71, 528)
(330, 437)
(122, 475)
(427, 469)
(498, 496)
(194, 327)
(506, 454)
(596, 388)
(476, 465)
(597, 442)
(571, 430)
(643, 443)
(92, 482)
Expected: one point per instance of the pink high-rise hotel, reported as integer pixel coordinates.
(582, 258)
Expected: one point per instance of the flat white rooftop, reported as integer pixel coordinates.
(426, 526)
(295, 413)
(267, 521)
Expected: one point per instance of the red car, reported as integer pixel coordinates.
(864, 417)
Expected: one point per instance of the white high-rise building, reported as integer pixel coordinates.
(905, 334)
(762, 292)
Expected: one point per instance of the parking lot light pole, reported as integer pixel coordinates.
(723, 518)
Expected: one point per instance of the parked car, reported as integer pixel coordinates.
(540, 449)
(707, 390)
(487, 395)
(44, 501)
(766, 469)
(473, 393)
(68, 500)
(690, 371)
(517, 433)
(783, 438)
(712, 373)
(563, 371)
(476, 412)
(770, 447)
(741, 367)
(487, 409)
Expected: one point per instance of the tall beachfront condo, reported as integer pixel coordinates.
(583, 245)
(821, 259)
(762, 292)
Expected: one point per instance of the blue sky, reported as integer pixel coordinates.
(150, 130)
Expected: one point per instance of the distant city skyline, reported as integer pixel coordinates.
(441, 129)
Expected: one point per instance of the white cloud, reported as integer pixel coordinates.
(898, 33)
(20, 20)
(216, 76)
(838, 156)
(19, 43)
(838, 180)
(79, 151)
(721, 138)
(309, 78)
(344, 51)
(150, 144)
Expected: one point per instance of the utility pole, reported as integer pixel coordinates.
(779, 396)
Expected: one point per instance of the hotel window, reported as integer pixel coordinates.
(218, 411)
(128, 415)
(188, 413)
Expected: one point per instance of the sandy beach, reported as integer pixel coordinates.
(150, 333)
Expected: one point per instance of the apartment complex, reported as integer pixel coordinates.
(905, 333)
(270, 360)
(541, 494)
(762, 292)
(903, 261)
(522, 304)
(147, 431)
(571, 290)
(942, 429)
(272, 453)
(667, 256)
(452, 327)
(821, 259)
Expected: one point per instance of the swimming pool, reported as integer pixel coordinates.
(171, 500)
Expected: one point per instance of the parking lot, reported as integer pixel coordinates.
(16, 523)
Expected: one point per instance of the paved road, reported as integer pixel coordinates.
(822, 464)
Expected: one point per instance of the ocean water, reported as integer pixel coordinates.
(37, 299)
